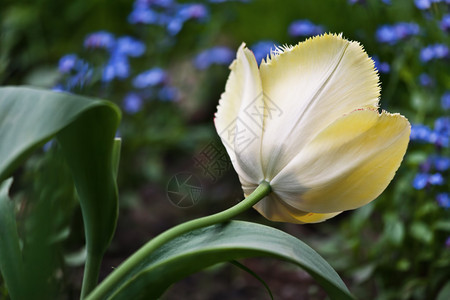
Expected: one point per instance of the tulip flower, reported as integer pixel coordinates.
(307, 122)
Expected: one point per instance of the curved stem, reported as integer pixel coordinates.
(105, 287)
(91, 271)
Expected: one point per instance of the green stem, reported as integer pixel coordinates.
(113, 280)
(91, 272)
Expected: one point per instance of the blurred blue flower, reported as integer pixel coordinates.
(422, 180)
(304, 28)
(152, 77)
(168, 93)
(440, 137)
(426, 80)
(443, 199)
(391, 34)
(422, 4)
(117, 67)
(426, 54)
(100, 39)
(445, 100)
(82, 76)
(160, 3)
(386, 34)
(447, 242)
(420, 133)
(445, 23)
(217, 55)
(436, 51)
(440, 50)
(382, 67)
(127, 45)
(67, 63)
(144, 15)
(436, 179)
(184, 13)
(132, 103)
(263, 48)
(440, 163)
(442, 125)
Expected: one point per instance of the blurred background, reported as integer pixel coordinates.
(165, 63)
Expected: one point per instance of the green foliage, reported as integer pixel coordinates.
(208, 246)
(85, 129)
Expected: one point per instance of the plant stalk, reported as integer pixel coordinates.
(111, 282)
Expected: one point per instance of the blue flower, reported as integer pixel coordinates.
(127, 45)
(391, 34)
(82, 77)
(443, 199)
(405, 30)
(445, 23)
(426, 54)
(440, 51)
(144, 16)
(440, 163)
(100, 39)
(436, 179)
(67, 63)
(445, 100)
(420, 133)
(423, 180)
(304, 28)
(184, 13)
(442, 125)
(262, 48)
(382, 67)
(440, 136)
(436, 51)
(216, 55)
(420, 181)
(117, 67)
(386, 34)
(426, 80)
(168, 93)
(132, 103)
(422, 4)
(152, 77)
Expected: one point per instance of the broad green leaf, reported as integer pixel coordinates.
(85, 129)
(444, 293)
(10, 255)
(205, 247)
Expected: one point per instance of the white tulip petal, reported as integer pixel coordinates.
(347, 165)
(239, 117)
(275, 209)
(313, 84)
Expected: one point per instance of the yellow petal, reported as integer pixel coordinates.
(238, 121)
(313, 84)
(347, 165)
(277, 210)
